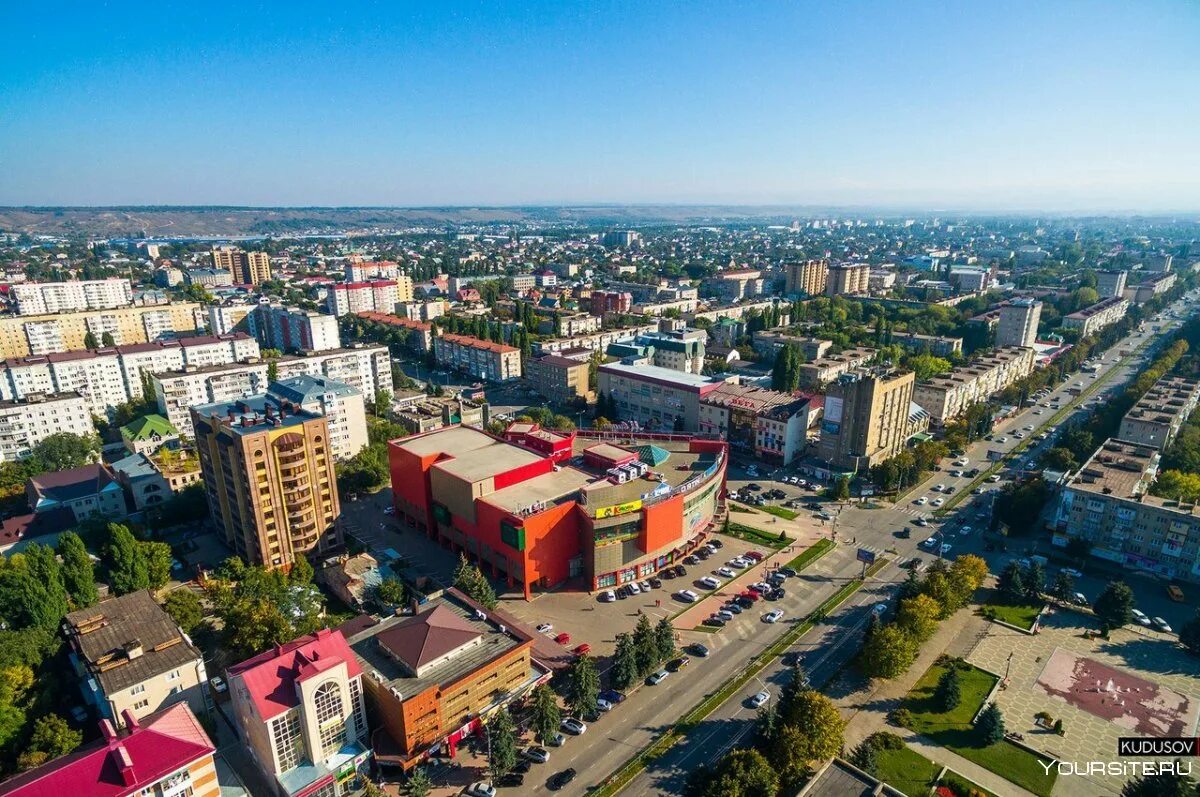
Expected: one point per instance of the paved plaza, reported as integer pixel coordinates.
(1054, 670)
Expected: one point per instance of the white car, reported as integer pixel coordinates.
(573, 726)
(657, 677)
(710, 582)
(922, 501)
(995, 477)
(737, 563)
(634, 588)
(725, 572)
(603, 705)
(1072, 572)
(1140, 617)
(962, 463)
(480, 789)
(946, 548)
(687, 596)
(1161, 625)
(217, 683)
(964, 531)
(539, 754)
(939, 501)
(879, 608)
(940, 488)
(930, 543)
(760, 699)
(1001, 439)
(545, 628)
(608, 596)
(773, 616)
(389, 510)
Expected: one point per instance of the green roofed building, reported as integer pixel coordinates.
(148, 434)
(652, 455)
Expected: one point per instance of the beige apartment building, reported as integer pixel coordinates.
(268, 472)
(824, 370)
(1018, 323)
(22, 336)
(807, 276)
(1096, 317)
(131, 656)
(866, 418)
(559, 379)
(1158, 415)
(247, 268)
(946, 397)
(848, 279)
(481, 359)
(1108, 503)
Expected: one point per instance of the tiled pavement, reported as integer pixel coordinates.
(1153, 656)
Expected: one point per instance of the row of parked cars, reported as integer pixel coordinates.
(668, 572)
(771, 589)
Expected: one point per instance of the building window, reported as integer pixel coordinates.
(330, 719)
(137, 690)
(141, 704)
(356, 708)
(289, 747)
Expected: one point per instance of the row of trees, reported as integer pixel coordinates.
(471, 581)
(889, 649)
(642, 652)
(909, 466)
(57, 452)
(259, 607)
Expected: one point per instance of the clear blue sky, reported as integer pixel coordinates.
(1050, 104)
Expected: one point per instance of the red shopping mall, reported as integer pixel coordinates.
(540, 507)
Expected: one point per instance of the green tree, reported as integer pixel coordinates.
(64, 451)
(625, 663)
(919, 617)
(107, 339)
(949, 690)
(1064, 586)
(77, 571)
(1012, 582)
(419, 784)
(646, 646)
(888, 653)
(89, 341)
(471, 581)
(158, 563)
(820, 724)
(1178, 485)
(664, 639)
(583, 686)
(841, 489)
(260, 607)
(1189, 635)
(302, 570)
(1034, 578)
(185, 609)
(1160, 784)
(502, 742)
(128, 570)
(32, 592)
(15, 683)
(546, 713)
(52, 737)
(391, 592)
(990, 725)
(865, 756)
(926, 366)
(1114, 606)
(740, 773)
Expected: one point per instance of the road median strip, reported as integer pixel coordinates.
(624, 774)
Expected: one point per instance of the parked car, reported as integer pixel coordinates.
(759, 699)
(732, 607)
(633, 588)
(714, 621)
(608, 596)
(1161, 625)
(687, 596)
(582, 650)
(545, 628)
(675, 665)
(536, 753)
(753, 556)
(709, 582)
(773, 616)
(480, 788)
(725, 572)
(787, 571)
(511, 780)
(699, 649)
(573, 726)
(715, 543)
(1140, 617)
(612, 696)
(563, 639)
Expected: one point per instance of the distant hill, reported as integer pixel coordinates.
(166, 222)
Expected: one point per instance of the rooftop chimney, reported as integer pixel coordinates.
(133, 649)
(131, 722)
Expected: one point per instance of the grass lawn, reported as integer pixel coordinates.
(903, 769)
(810, 555)
(968, 787)
(779, 511)
(769, 539)
(738, 508)
(1020, 615)
(953, 730)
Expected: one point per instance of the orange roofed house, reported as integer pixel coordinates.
(542, 508)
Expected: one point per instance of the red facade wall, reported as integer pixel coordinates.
(520, 474)
(410, 479)
(662, 524)
(551, 541)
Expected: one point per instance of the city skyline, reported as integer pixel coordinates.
(870, 105)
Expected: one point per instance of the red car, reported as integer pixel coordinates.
(753, 556)
(750, 595)
(563, 639)
(583, 649)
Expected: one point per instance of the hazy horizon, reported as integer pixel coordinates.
(1073, 108)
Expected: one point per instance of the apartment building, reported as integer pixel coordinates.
(767, 343)
(866, 418)
(681, 350)
(598, 341)
(208, 277)
(1104, 313)
(567, 324)
(268, 472)
(246, 268)
(379, 296)
(656, 398)
(25, 423)
(434, 678)
(1111, 283)
(88, 491)
(130, 656)
(756, 422)
(367, 369)
(226, 318)
(946, 397)
(481, 359)
(291, 329)
(21, 336)
(737, 284)
(970, 280)
(47, 298)
(562, 381)
(299, 710)
(1108, 503)
(1018, 322)
(881, 280)
(428, 414)
(422, 311)
(611, 302)
(806, 277)
(360, 270)
(342, 406)
(111, 376)
(165, 755)
(1158, 415)
(937, 345)
(823, 370)
(1149, 288)
(848, 279)
(419, 334)
(148, 434)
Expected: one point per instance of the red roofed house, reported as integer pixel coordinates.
(167, 754)
(299, 708)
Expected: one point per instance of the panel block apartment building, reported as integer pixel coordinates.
(481, 359)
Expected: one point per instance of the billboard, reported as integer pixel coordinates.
(833, 409)
(865, 556)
